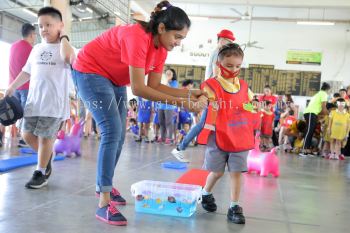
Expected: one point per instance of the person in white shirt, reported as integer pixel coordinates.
(224, 37)
(47, 105)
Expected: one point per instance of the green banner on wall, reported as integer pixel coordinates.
(304, 57)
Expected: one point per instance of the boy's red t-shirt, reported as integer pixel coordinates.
(111, 54)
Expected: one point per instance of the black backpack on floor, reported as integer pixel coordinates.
(10, 110)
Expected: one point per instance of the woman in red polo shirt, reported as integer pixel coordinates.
(120, 56)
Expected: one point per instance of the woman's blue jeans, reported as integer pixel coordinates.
(108, 105)
(193, 132)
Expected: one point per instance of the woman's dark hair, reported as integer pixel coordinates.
(230, 49)
(267, 86)
(325, 86)
(27, 29)
(291, 112)
(340, 100)
(53, 12)
(174, 18)
(174, 78)
(343, 89)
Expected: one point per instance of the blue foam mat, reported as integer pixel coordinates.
(174, 165)
(21, 161)
(27, 150)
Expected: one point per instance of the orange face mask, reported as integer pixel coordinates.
(225, 73)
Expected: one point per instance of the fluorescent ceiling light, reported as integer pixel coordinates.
(318, 23)
(199, 18)
(29, 12)
(89, 10)
(117, 13)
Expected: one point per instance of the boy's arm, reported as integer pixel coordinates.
(66, 50)
(21, 79)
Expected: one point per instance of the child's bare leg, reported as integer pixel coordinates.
(281, 136)
(337, 148)
(208, 201)
(156, 130)
(235, 186)
(31, 140)
(45, 151)
(141, 130)
(269, 144)
(332, 142)
(44, 148)
(235, 212)
(146, 125)
(88, 124)
(326, 148)
(212, 178)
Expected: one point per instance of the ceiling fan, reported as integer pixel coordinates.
(242, 16)
(251, 44)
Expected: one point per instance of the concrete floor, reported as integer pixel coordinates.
(311, 196)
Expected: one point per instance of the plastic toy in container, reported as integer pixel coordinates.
(166, 198)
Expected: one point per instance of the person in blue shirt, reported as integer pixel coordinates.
(166, 111)
(156, 125)
(280, 108)
(144, 112)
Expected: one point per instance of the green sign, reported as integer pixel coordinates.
(304, 57)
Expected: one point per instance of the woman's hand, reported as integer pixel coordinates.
(196, 93)
(198, 105)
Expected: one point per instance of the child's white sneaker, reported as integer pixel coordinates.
(179, 155)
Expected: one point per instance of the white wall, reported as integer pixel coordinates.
(276, 38)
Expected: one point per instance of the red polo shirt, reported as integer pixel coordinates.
(111, 54)
(19, 53)
(271, 98)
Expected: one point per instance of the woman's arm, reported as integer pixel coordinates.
(154, 81)
(156, 92)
